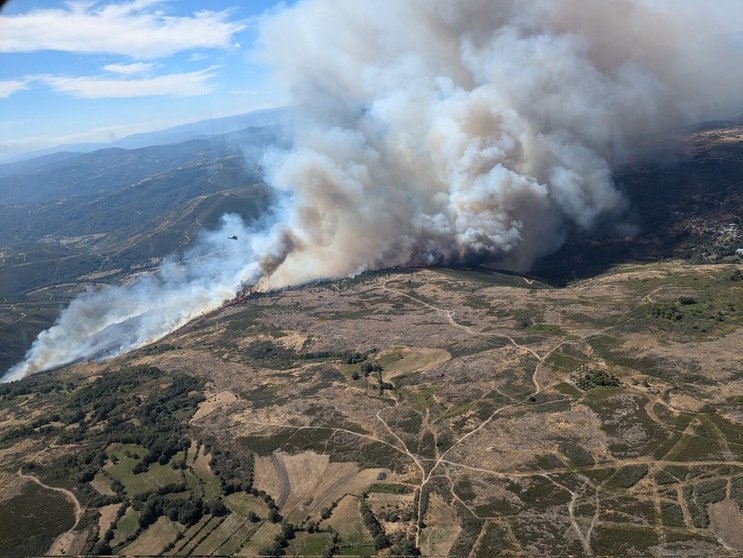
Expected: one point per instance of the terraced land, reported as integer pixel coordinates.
(447, 412)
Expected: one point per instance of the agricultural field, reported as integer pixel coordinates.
(442, 412)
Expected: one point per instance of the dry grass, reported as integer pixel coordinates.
(70, 543)
(154, 539)
(202, 468)
(190, 535)
(260, 540)
(220, 535)
(102, 485)
(305, 483)
(106, 519)
(411, 359)
(727, 524)
(242, 503)
(449, 378)
(213, 402)
(442, 528)
(195, 535)
(346, 520)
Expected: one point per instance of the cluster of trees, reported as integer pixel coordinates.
(666, 312)
(25, 431)
(116, 402)
(158, 349)
(354, 357)
(272, 355)
(374, 527)
(235, 473)
(154, 423)
(273, 510)
(113, 402)
(281, 541)
(103, 546)
(185, 511)
(371, 367)
(597, 378)
(327, 512)
(41, 385)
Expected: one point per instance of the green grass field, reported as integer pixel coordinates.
(125, 527)
(157, 475)
(308, 544)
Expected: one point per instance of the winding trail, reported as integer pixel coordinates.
(429, 467)
(426, 477)
(343, 430)
(23, 316)
(583, 538)
(67, 494)
(403, 447)
(13, 310)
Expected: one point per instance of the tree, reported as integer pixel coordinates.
(287, 530)
(150, 512)
(102, 548)
(405, 547)
(381, 541)
(190, 513)
(218, 509)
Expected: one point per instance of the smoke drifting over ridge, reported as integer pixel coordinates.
(433, 131)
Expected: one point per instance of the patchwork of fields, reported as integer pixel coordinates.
(446, 412)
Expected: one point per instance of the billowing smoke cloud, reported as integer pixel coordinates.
(433, 131)
(441, 131)
(107, 322)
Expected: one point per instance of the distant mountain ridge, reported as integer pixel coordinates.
(69, 175)
(201, 129)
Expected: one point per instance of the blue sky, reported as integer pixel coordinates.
(97, 70)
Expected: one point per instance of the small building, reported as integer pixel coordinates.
(739, 252)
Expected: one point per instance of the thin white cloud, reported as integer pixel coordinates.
(8, 87)
(185, 84)
(136, 28)
(128, 69)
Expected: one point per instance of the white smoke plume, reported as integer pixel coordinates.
(437, 131)
(107, 322)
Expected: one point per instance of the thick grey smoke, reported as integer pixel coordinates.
(437, 131)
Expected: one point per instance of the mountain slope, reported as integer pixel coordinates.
(463, 413)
